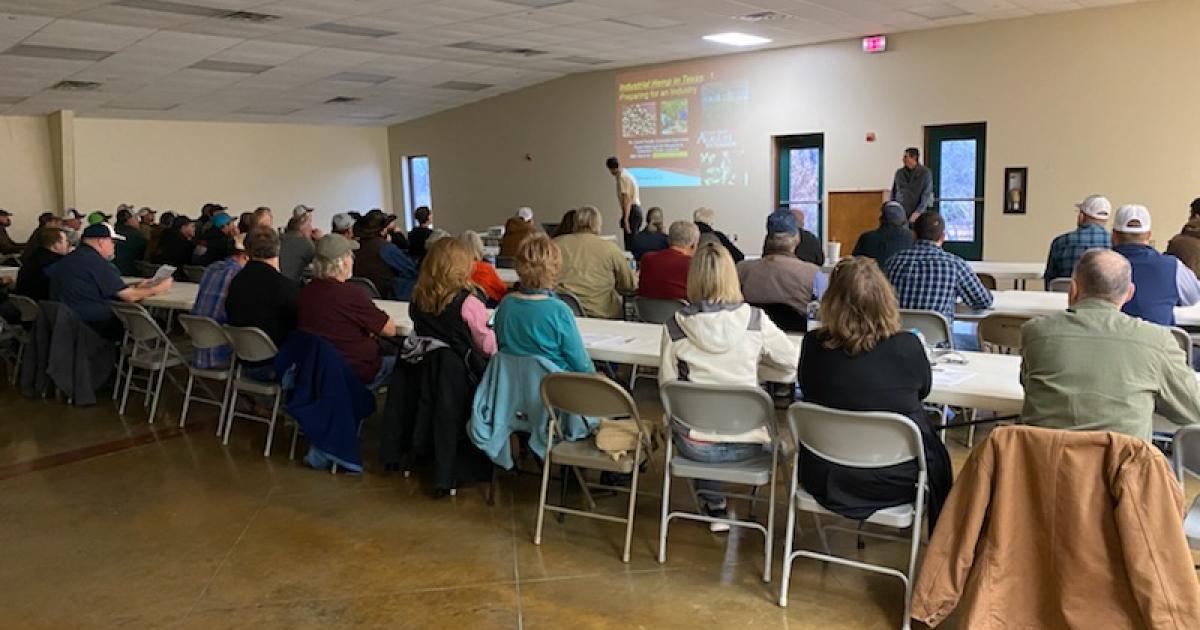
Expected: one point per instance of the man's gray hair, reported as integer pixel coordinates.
(1103, 273)
(704, 215)
(781, 243)
(326, 269)
(683, 234)
(587, 219)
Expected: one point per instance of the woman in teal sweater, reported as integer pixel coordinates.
(531, 321)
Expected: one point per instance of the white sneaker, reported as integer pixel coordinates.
(717, 510)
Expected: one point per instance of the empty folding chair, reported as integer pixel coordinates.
(652, 311)
(1001, 334)
(251, 345)
(571, 301)
(987, 280)
(590, 395)
(785, 316)
(721, 410)
(150, 350)
(366, 285)
(864, 440)
(20, 333)
(932, 324)
(207, 334)
(1059, 285)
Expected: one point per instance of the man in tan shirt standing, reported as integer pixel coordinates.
(628, 200)
(594, 269)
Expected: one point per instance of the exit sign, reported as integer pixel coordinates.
(875, 44)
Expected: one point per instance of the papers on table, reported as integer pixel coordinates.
(949, 377)
(605, 340)
(164, 272)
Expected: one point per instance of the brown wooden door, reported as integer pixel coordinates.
(851, 213)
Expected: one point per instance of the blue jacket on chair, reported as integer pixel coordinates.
(327, 399)
(508, 400)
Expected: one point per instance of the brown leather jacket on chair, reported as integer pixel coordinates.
(1057, 529)
(515, 231)
(1186, 245)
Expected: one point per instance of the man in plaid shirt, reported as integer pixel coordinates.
(1066, 250)
(926, 277)
(210, 301)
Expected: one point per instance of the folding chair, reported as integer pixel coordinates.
(1001, 334)
(1059, 285)
(1186, 454)
(652, 311)
(1184, 339)
(150, 350)
(206, 334)
(193, 273)
(863, 440)
(785, 316)
(366, 285)
(932, 324)
(572, 302)
(720, 410)
(987, 280)
(29, 314)
(595, 396)
(252, 345)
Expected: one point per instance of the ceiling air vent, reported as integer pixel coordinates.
(338, 100)
(249, 17)
(763, 16)
(463, 86)
(76, 86)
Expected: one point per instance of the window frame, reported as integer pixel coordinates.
(934, 136)
(784, 145)
(406, 172)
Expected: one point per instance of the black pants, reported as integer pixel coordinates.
(110, 329)
(635, 224)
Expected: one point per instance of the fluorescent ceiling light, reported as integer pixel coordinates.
(737, 39)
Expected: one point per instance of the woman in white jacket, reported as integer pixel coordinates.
(718, 339)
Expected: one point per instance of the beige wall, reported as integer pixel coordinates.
(1100, 100)
(27, 184)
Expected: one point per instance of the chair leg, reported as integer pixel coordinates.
(770, 543)
(666, 505)
(271, 426)
(229, 420)
(162, 376)
(541, 516)
(12, 376)
(632, 502)
(821, 534)
(789, 539)
(562, 491)
(125, 394)
(944, 418)
(120, 368)
(187, 398)
(295, 438)
(226, 407)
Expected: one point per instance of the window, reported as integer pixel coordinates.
(416, 186)
(955, 154)
(801, 177)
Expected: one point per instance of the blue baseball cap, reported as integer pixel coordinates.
(220, 220)
(782, 221)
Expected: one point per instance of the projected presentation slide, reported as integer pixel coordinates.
(677, 126)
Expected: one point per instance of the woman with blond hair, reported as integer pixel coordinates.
(861, 360)
(718, 339)
(483, 274)
(531, 321)
(445, 308)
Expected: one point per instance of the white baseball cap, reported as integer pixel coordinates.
(525, 212)
(1132, 219)
(301, 210)
(1095, 206)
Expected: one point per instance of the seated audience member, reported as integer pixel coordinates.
(1093, 368)
(720, 340)
(808, 248)
(9, 313)
(85, 281)
(704, 218)
(1186, 245)
(7, 245)
(301, 210)
(418, 235)
(217, 241)
(33, 279)
(343, 314)
(1066, 249)
(259, 296)
(210, 301)
(296, 249)
(394, 231)
(926, 277)
(530, 321)
(146, 221)
(445, 308)
(1163, 282)
(133, 247)
(33, 243)
(342, 224)
(263, 217)
(177, 245)
(861, 360)
(594, 269)
(779, 277)
(891, 236)
(652, 238)
(664, 274)
(483, 274)
(72, 224)
(566, 225)
(515, 230)
(245, 222)
(379, 260)
(98, 217)
(165, 221)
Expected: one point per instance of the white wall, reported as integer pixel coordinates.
(1100, 100)
(27, 184)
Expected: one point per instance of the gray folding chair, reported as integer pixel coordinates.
(252, 345)
(1186, 454)
(150, 350)
(207, 334)
(193, 273)
(932, 324)
(862, 440)
(1001, 334)
(20, 334)
(589, 395)
(1059, 285)
(366, 285)
(720, 410)
(652, 311)
(987, 280)
(1184, 339)
(571, 301)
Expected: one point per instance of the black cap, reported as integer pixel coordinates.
(5, 213)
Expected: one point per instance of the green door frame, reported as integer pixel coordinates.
(934, 137)
(783, 149)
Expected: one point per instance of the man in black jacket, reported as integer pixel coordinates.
(809, 249)
(32, 281)
(704, 217)
(176, 245)
(891, 236)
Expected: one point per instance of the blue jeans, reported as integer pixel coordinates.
(712, 453)
(384, 374)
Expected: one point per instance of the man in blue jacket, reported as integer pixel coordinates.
(1161, 281)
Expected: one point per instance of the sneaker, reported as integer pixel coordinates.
(717, 509)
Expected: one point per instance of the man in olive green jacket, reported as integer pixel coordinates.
(1093, 368)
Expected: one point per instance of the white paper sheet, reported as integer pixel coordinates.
(604, 340)
(945, 377)
(164, 272)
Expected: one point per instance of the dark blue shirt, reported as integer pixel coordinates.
(86, 282)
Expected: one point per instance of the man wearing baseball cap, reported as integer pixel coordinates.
(301, 210)
(1162, 282)
(217, 240)
(779, 276)
(343, 224)
(7, 245)
(86, 282)
(1067, 248)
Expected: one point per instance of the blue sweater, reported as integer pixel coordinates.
(541, 328)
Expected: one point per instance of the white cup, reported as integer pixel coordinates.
(833, 251)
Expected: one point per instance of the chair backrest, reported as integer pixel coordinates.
(193, 273)
(1000, 333)
(140, 327)
(1059, 285)
(144, 269)
(932, 324)
(1186, 451)
(506, 262)
(26, 307)
(1184, 339)
(204, 332)
(655, 311)
(366, 285)
(787, 318)
(591, 395)
(860, 439)
(719, 409)
(251, 344)
(988, 281)
(571, 301)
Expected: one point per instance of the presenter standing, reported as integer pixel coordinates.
(912, 186)
(627, 198)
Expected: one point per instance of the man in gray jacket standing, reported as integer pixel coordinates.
(913, 184)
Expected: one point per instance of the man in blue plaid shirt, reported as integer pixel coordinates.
(1067, 249)
(210, 301)
(926, 277)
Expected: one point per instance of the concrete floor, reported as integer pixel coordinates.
(111, 522)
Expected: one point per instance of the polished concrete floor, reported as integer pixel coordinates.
(112, 522)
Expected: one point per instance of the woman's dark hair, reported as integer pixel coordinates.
(930, 227)
(1196, 205)
(612, 163)
(421, 215)
(566, 225)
